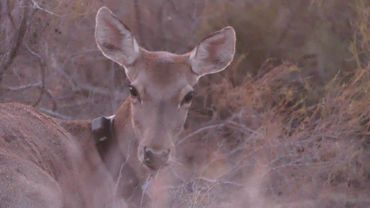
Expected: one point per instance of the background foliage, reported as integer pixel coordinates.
(287, 125)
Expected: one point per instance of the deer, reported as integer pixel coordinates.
(47, 162)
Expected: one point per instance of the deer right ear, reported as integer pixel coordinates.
(114, 39)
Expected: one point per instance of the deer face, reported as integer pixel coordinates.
(161, 83)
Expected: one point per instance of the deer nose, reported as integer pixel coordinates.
(154, 159)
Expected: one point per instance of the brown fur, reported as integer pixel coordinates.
(161, 82)
(42, 165)
(118, 154)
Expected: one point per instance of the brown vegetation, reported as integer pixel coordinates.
(287, 125)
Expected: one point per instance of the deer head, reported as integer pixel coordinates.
(161, 83)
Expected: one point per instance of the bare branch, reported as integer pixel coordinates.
(9, 57)
(42, 69)
(55, 114)
(36, 5)
(138, 21)
(23, 87)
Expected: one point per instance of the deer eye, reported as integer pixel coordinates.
(188, 98)
(133, 92)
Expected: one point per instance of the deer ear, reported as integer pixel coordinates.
(214, 53)
(114, 39)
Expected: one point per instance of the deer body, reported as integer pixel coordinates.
(50, 163)
(42, 165)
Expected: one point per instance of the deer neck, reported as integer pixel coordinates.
(119, 153)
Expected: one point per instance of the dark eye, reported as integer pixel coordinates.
(133, 92)
(188, 98)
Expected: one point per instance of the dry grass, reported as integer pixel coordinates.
(268, 132)
(281, 138)
(283, 146)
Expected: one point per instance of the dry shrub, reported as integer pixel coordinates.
(261, 134)
(280, 140)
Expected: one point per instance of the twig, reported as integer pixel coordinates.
(23, 87)
(244, 129)
(200, 130)
(138, 21)
(36, 5)
(9, 57)
(42, 69)
(55, 114)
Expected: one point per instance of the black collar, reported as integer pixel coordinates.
(102, 128)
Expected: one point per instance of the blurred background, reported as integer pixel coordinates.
(286, 125)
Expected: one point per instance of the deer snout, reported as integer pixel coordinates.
(155, 159)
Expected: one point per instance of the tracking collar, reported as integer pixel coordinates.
(102, 128)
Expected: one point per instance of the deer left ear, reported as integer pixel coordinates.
(214, 53)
